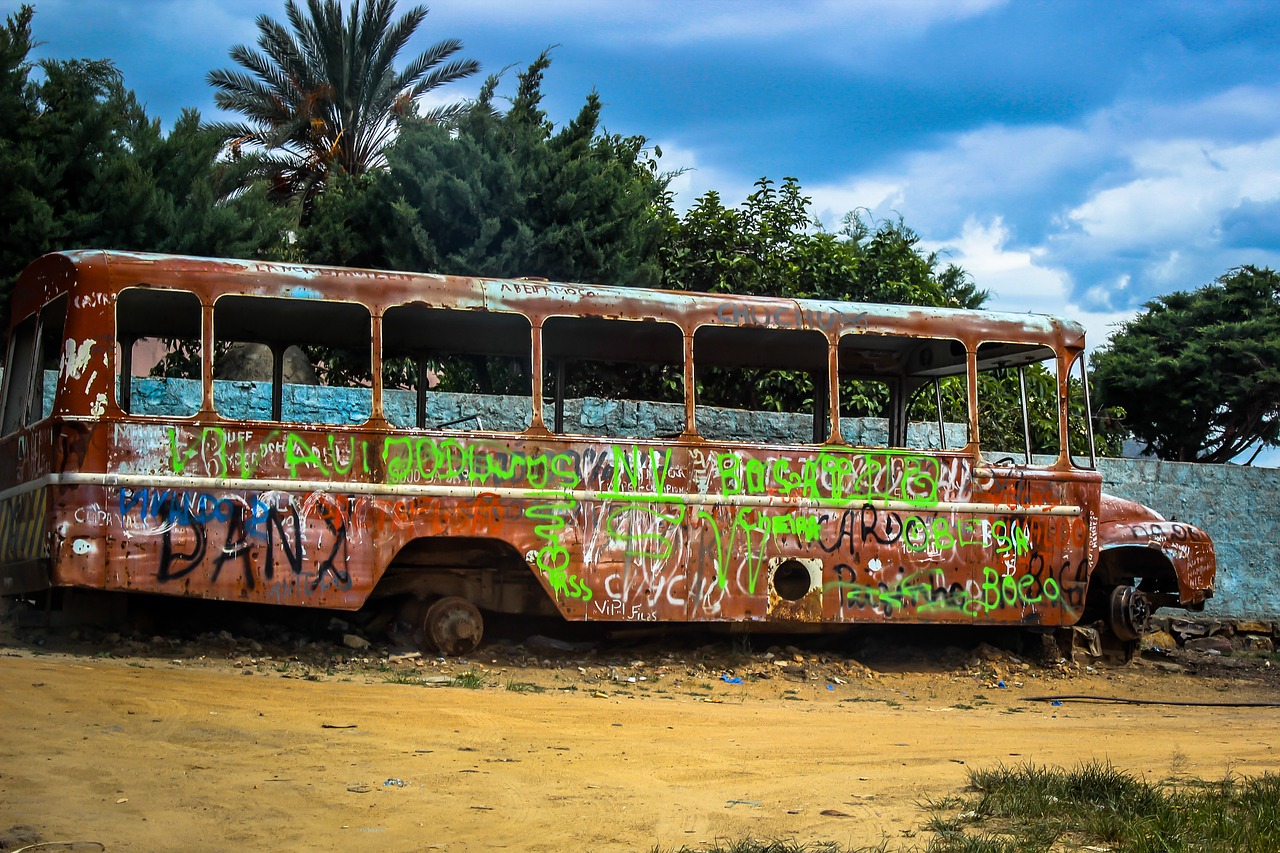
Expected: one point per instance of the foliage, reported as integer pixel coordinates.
(81, 165)
(350, 223)
(506, 194)
(772, 246)
(323, 96)
(1198, 373)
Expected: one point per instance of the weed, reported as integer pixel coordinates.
(401, 678)
(524, 687)
(472, 679)
(1177, 763)
(742, 651)
(941, 804)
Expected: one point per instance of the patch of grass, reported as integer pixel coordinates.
(402, 677)
(472, 679)
(524, 687)
(1031, 808)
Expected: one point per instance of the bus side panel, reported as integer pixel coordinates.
(611, 530)
(827, 535)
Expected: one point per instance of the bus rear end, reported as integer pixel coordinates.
(30, 449)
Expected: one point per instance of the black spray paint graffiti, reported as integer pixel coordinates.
(920, 534)
(254, 532)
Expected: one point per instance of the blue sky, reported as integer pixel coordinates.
(1078, 158)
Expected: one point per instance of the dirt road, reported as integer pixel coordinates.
(244, 750)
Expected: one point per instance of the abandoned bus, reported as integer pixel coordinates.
(317, 437)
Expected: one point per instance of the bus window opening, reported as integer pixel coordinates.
(613, 378)
(456, 369)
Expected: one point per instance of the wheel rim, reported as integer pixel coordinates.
(1130, 613)
(453, 626)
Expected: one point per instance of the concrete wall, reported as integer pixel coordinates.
(1239, 507)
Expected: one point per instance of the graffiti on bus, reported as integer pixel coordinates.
(614, 528)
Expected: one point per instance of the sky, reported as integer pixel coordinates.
(1077, 158)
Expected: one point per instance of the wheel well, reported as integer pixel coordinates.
(488, 572)
(1123, 566)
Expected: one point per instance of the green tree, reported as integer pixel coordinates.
(771, 245)
(351, 222)
(1198, 373)
(82, 166)
(322, 95)
(508, 194)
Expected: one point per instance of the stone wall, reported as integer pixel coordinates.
(1238, 507)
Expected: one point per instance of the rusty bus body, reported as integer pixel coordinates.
(130, 478)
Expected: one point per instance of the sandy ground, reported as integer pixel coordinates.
(227, 743)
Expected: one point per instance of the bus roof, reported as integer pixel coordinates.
(86, 272)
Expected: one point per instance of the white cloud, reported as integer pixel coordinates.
(1125, 205)
(939, 188)
(1179, 190)
(1019, 280)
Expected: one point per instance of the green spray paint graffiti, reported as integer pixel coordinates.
(834, 479)
(927, 591)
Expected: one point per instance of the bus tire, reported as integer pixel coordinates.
(452, 626)
(1129, 613)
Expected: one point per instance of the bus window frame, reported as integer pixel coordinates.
(1088, 416)
(1020, 362)
(422, 355)
(825, 428)
(278, 346)
(554, 363)
(123, 366)
(901, 394)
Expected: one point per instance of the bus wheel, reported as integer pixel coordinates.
(1129, 613)
(452, 626)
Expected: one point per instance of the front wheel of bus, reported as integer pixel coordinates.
(453, 626)
(1129, 613)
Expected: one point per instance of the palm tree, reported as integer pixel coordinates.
(322, 94)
